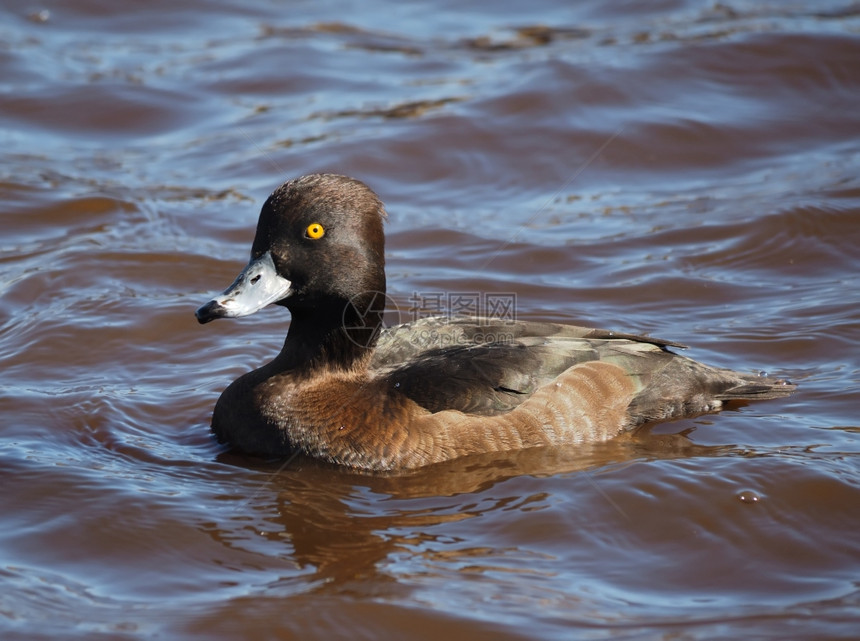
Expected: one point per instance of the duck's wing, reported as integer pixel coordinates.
(401, 343)
(486, 369)
(482, 367)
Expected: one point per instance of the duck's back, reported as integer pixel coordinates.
(486, 368)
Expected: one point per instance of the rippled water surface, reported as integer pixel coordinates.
(686, 169)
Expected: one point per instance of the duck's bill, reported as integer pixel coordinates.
(258, 285)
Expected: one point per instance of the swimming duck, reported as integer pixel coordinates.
(350, 391)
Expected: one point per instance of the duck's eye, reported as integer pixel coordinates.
(315, 231)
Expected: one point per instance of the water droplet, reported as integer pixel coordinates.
(748, 496)
(40, 16)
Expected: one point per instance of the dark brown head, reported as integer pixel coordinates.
(319, 247)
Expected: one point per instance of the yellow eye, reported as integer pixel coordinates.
(315, 231)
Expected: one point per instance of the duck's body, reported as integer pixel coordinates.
(347, 391)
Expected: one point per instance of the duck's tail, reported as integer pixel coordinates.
(757, 388)
(680, 387)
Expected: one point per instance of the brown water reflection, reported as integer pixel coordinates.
(308, 516)
(685, 170)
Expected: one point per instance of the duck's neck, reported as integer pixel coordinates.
(330, 336)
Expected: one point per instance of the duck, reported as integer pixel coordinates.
(350, 391)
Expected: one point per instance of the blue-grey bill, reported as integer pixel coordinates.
(258, 285)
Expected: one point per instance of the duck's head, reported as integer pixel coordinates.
(319, 245)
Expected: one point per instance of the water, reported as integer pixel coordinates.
(680, 168)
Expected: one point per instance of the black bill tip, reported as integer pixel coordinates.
(210, 311)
